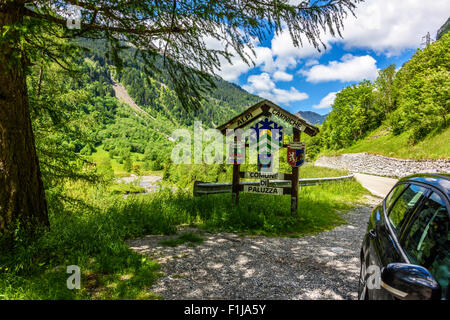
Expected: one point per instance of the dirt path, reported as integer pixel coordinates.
(227, 266)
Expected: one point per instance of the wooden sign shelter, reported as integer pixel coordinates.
(267, 108)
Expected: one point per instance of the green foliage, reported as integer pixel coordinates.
(225, 101)
(64, 114)
(382, 141)
(93, 240)
(125, 188)
(422, 87)
(105, 169)
(155, 28)
(93, 237)
(128, 164)
(412, 104)
(354, 113)
(385, 91)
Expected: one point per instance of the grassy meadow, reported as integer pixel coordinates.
(382, 142)
(91, 233)
(100, 156)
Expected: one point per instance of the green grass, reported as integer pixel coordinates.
(125, 188)
(93, 236)
(308, 171)
(435, 146)
(119, 170)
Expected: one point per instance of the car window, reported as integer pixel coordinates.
(427, 241)
(404, 204)
(395, 192)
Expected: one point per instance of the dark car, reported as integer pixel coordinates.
(405, 251)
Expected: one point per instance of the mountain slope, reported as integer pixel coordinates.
(155, 94)
(122, 95)
(443, 30)
(312, 117)
(136, 137)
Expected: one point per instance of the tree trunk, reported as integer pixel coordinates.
(22, 197)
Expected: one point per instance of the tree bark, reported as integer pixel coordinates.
(22, 198)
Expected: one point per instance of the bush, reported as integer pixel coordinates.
(128, 164)
(136, 169)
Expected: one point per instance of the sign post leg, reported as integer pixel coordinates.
(236, 179)
(294, 187)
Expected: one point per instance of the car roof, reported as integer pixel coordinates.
(440, 181)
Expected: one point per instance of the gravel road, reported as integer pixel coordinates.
(228, 266)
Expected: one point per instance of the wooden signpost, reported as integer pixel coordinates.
(296, 150)
(264, 190)
(265, 175)
(236, 179)
(294, 180)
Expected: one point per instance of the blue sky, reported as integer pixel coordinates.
(385, 32)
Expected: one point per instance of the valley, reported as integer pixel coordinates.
(87, 172)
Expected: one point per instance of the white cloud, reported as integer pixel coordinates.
(389, 27)
(287, 96)
(231, 72)
(282, 76)
(264, 86)
(311, 62)
(260, 83)
(275, 60)
(384, 26)
(326, 102)
(351, 68)
(287, 55)
(262, 57)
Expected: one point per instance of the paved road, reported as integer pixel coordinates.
(378, 186)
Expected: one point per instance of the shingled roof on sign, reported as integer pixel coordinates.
(266, 108)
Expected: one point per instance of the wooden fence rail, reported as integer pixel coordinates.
(202, 188)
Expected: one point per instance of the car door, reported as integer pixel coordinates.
(425, 240)
(384, 247)
(371, 243)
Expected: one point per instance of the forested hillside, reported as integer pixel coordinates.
(394, 114)
(134, 142)
(155, 94)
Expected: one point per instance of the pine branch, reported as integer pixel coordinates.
(159, 31)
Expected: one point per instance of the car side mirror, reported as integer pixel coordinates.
(410, 282)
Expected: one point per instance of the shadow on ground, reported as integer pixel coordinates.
(227, 266)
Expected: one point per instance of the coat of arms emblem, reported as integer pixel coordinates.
(296, 154)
